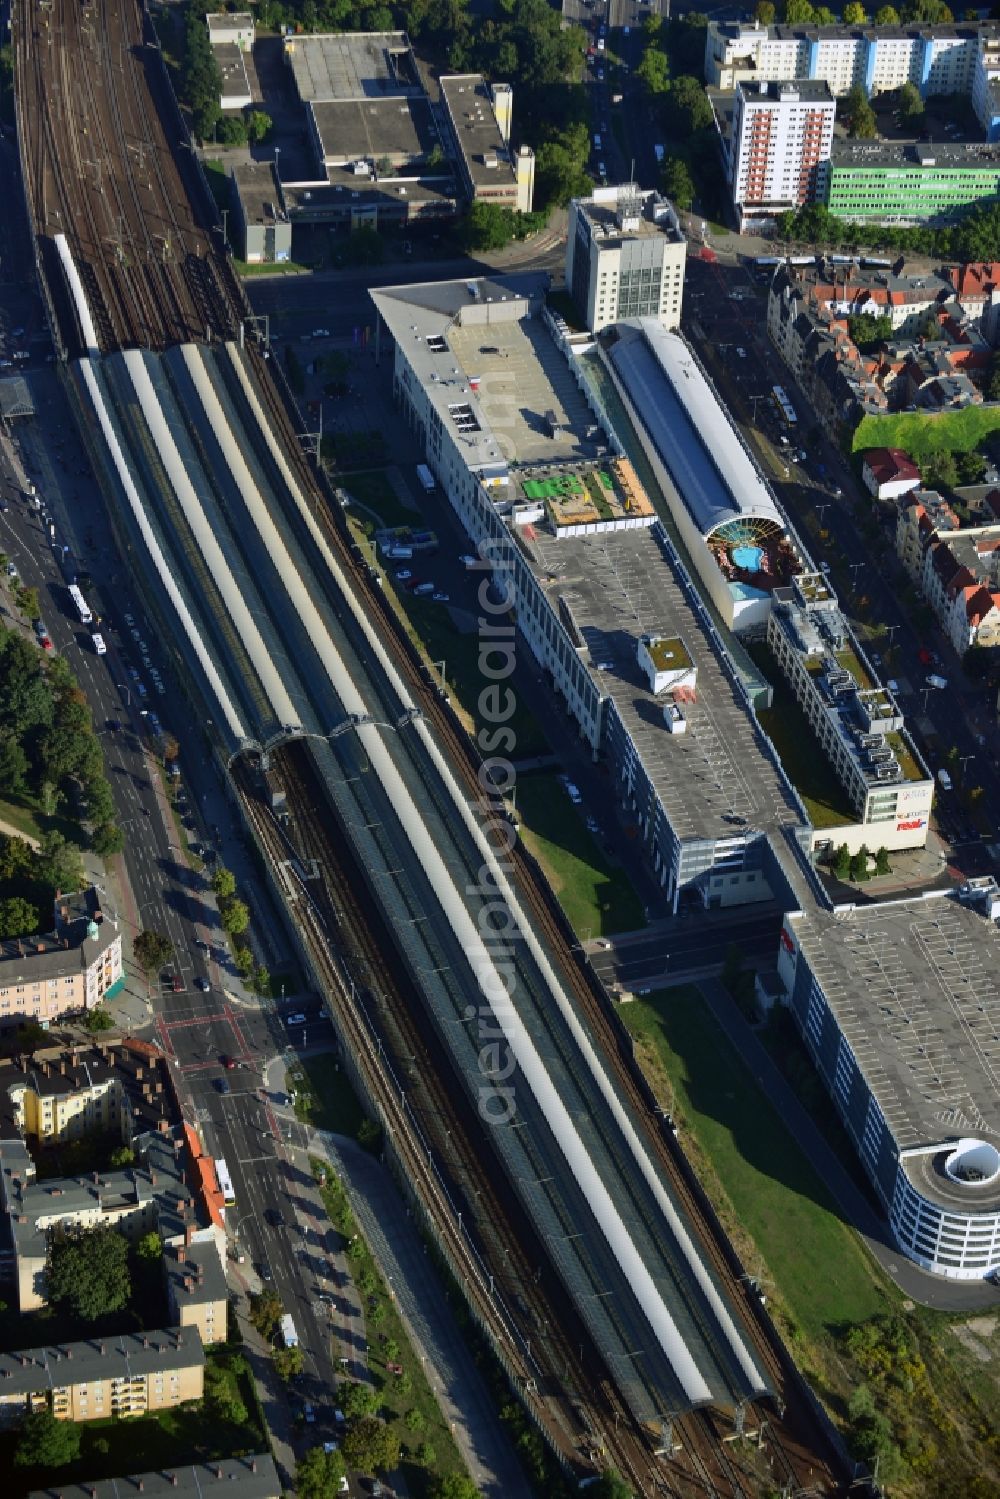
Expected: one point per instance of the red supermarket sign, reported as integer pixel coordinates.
(911, 825)
(786, 940)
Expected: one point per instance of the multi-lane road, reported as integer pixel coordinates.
(220, 1035)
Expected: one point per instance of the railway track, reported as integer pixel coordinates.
(582, 1415)
(145, 261)
(798, 1446)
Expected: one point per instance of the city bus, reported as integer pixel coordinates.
(80, 605)
(784, 405)
(225, 1183)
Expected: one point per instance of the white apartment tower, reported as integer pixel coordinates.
(782, 134)
(625, 256)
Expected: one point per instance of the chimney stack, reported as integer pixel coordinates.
(181, 1254)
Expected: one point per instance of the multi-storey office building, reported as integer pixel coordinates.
(625, 257)
(911, 182)
(781, 136)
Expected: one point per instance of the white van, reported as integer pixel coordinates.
(597, 142)
(99, 645)
(944, 779)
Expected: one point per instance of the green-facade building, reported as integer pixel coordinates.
(909, 182)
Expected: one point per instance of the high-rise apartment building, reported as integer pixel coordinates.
(781, 136)
(947, 58)
(625, 256)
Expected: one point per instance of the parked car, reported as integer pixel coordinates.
(296, 1019)
(933, 680)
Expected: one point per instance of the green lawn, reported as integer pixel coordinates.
(324, 1097)
(270, 268)
(409, 1405)
(188, 1434)
(597, 898)
(218, 180)
(922, 432)
(374, 490)
(817, 1266)
(27, 817)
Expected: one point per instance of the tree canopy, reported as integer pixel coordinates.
(46, 1442)
(152, 950)
(87, 1272)
(318, 1474)
(973, 237)
(370, 1444)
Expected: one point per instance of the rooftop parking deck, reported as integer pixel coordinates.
(619, 587)
(914, 988)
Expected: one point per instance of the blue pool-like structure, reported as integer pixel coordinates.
(748, 558)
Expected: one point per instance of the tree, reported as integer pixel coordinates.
(107, 839)
(798, 12)
(854, 14)
(87, 1271)
(224, 883)
(358, 1400)
(235, 917)
(859, 865)
(94, 1021)
(231, 131)
(266, 1312)
(60, 865)
(150, 1247)
(47, 1442)
(288, 1362)
(13, 764)
(862, 124)
(765, 11)
(487, 226)
(886, 15)
(867, 330)
(927, 12)
(364, 246)
(611, 1486)
(688, 107)
(457, 1485)
(677, 183)
(911, 106)
(971, 467)
(18, 918)
(370, 1444)
(27, 599)
(940, 469)
(152, 950)
(318, 1474)
(653, 71)
(259, 126)
(882, 865)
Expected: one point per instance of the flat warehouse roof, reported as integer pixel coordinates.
(357, 128)
(915, 990)
(352, 65)
(470, 104)
(699, 447)
(619, 586)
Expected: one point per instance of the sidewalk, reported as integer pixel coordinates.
(270, 1392)
(392, 1235)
